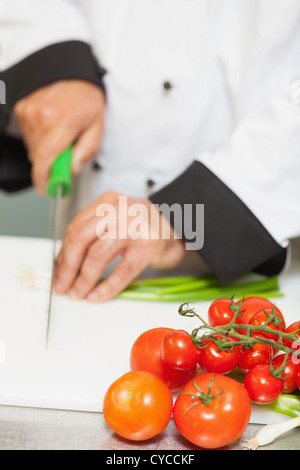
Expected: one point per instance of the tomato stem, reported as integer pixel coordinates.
(205, 398)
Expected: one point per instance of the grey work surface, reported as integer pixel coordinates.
(44, 429)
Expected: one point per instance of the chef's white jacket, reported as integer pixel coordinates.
(202, 107)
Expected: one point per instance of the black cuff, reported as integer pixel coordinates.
(235, 242)
(15, 168)
(62, 61)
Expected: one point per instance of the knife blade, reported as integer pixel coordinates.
(59, 186)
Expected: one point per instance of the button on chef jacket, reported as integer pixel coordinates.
(202, 107)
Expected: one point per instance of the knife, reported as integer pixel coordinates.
(59, 186)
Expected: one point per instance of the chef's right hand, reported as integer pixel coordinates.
(54, 117)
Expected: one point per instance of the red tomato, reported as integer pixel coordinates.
(219, 361)
(252, 305)
(298, 380)
(178, 350)
(292, 329)
(220, 313)
(250, 358)
(215, 422)
(290, 372)
(138, 406)
(261, 317)
(262, 387)
(146, 355)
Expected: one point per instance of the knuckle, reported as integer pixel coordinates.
(109, 195)
(19, 108)
(73, 234)
(95, 251)
(45, 113)
(124, 272)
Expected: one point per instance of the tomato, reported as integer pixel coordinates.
(138, 406)
(220, 313)
(292, 329)
(298, 380)
(212, 411)
(261, 317)
(178, 350)
(146, 355)
(262, 387)
(252, 305)
(250, 358)
(213, 359)
(290, 372)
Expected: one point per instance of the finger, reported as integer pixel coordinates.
(87, 146)
(50, 146)
(132, 264)
(75, 245)
(99, 255)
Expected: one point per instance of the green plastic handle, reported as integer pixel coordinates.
(61, 174)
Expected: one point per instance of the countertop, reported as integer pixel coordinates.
(44, 429)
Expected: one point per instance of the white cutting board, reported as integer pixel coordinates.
(89, 345)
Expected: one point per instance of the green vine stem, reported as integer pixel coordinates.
(245, 340)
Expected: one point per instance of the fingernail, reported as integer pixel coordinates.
(73, 294)
(57, 285)
(93, 297)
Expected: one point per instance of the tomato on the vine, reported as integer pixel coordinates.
(214, 359)
(212, 411)
(179, 351)
(146, 355)
(221, 312)
(290, 372)
(295, 329)
(138, 406)
(262, 387)
(252, 305)
(261, 317)
(250, 358)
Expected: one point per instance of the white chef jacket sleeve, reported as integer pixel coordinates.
(42, 41)
(250, 188)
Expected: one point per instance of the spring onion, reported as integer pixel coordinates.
(270, 432)
(198, 288)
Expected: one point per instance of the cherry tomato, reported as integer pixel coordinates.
(250, 358)
(290, 372)
(291, 329)
(138, 406)
(261, 317)
(213, 359)
(220, 313)
(178, 350)
(252, 305)
(146, 355)
(217, 421)
(262, 387)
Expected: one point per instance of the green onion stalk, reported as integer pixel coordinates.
(198, 288)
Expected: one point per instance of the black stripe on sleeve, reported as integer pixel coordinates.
(235, 241)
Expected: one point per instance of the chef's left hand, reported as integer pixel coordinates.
(84, 256)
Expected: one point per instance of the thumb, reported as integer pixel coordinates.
(87, 146)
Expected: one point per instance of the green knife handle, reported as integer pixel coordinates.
(61, 174)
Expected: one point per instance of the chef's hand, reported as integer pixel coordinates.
(84, 256)
(54, 117)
